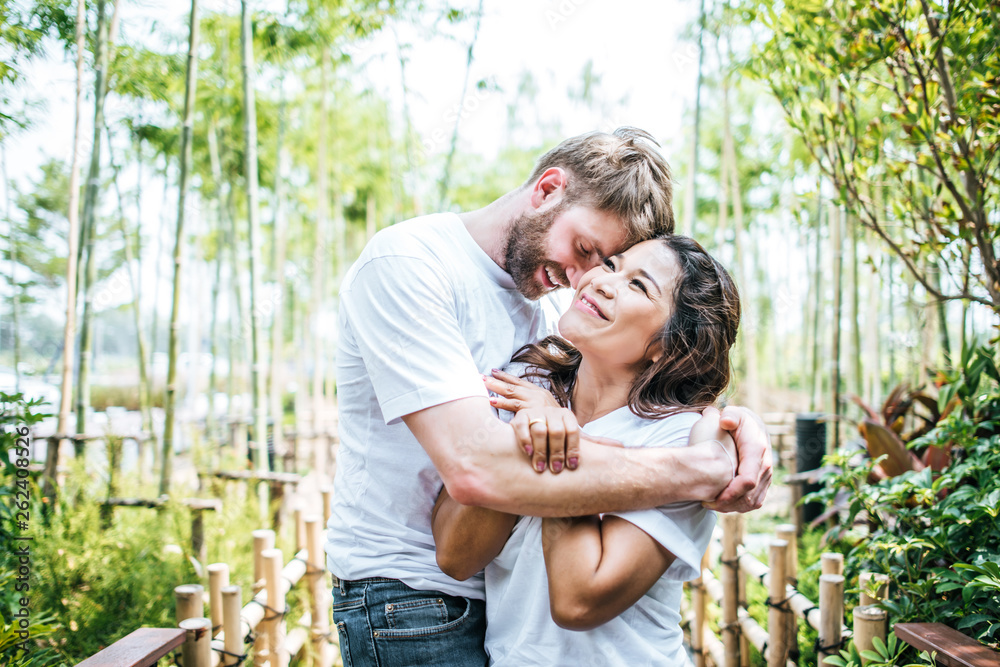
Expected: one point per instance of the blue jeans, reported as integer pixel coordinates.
(385, 623)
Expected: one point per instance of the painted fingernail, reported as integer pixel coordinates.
(496, 370)
(493, 401)
(529, 450)
(540, 466)
(556, 466)
(571, 463)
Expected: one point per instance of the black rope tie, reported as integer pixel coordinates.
(240, 657)
(809, 611)
(274, 612)
(311, 568)
(832, 647)
(780, 604)
(732, 562)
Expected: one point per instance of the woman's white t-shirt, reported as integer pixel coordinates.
(520, 630)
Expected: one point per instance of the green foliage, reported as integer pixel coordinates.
(886, 654)
(897, 102)
(936, 535)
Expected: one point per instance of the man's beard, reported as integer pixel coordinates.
(525, 251)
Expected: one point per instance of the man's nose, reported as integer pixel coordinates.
(573, 274)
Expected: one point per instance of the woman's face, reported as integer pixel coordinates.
(620, 306)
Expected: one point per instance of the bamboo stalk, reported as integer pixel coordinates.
(777, 625)
(318, 597)
(197, 648)
(788, 532)
(327, 493)
(263, 539)
(218, 578)
(190, 601)
(275, 623)
(742, 581)
(730, 590)
(300, 528)
(231, 624)
(831, 563)
(831, 607)
(700, 606)
(869, 622)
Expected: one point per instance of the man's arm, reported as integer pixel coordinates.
(480, 463)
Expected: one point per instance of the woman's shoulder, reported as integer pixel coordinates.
(669, 431)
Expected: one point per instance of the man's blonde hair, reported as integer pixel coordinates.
(622, 173)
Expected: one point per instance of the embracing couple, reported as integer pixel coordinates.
(463, 535)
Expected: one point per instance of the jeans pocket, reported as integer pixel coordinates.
(345, 646)
(416, 614)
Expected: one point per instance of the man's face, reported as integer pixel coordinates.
(551, 249)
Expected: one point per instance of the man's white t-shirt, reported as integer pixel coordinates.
(423, 313)
(519, 628)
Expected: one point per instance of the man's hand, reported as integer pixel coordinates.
(753, 476)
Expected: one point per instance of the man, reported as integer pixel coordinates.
(430, 305)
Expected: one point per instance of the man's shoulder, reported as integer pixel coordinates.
(420, 238)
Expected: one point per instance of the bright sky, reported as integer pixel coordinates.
(633, 44)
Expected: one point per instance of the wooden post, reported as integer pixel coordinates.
(197, 649)
(741, 579)
(218, 578)
(730, 590)
(787, 532)
(869, 622)
(263, 540)
(190, 601)
(300, 528)
(318, 595)
(198, 547)
(274, 623)
(881, 584)
(50, 485)
(777, 624)
(831, 610)
(699, 601)
(278, 500)
(832, 563)
(231, 606)
(327, 493)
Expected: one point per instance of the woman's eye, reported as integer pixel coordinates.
(638, 283)
(609, 264)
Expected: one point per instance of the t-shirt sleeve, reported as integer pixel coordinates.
(683, 529)
(402, 312)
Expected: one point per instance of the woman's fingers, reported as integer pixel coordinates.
(522, 432)
(500, 387)
(557, 442)
(539, 442)
(572, 441)
(504, 403)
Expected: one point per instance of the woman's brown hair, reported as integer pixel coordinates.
(693, 368)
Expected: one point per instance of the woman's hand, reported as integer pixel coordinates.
(515, 394)
(551, 436)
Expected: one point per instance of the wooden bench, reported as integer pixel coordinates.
(141, 648)
(953, 648)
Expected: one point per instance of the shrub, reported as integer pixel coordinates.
(936, 534)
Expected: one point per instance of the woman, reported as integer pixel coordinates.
(644, 348)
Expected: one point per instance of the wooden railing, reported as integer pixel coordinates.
(787, 607)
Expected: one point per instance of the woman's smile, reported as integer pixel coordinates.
(588, 304)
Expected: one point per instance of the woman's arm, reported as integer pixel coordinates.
(467, 538)
(598, 568)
